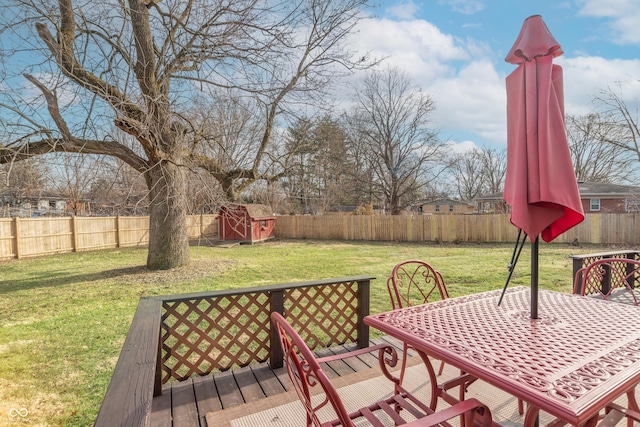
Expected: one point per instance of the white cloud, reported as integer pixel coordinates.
(416, 46)
(461, 147)
(467, 87)
(404, 11)
(474, 100)
(587, 77)
(623, 16)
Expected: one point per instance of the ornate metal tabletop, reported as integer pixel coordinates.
(580, 354)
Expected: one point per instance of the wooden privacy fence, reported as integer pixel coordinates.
(24, 237)
(489, 228)
(20, 237)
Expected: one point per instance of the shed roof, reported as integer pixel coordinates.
(254, 210)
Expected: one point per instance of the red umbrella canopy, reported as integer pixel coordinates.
(540, 184)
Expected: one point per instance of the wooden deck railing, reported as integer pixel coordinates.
(581, 261)
(174, 337)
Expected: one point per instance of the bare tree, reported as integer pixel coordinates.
(619, 124)
(622, 120)
(392, 118)
(22, 181)
(140, 65)
(73, 177)
(494, 169)
(204, 193)
(479, 171)
(597, 151)
(361, 172)
(467, 171)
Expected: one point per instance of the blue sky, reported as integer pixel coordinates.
(455, 49)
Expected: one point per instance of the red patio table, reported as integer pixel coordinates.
(577, 357)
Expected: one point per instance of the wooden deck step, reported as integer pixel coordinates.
(186, 403)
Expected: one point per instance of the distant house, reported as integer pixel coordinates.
(445, 206)
(596, 197)
(609, 198)
(25, 206)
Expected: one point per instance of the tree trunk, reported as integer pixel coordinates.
(168, 239)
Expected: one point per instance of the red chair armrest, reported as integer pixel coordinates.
(353, 353)
(616, 413)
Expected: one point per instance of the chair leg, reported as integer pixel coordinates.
(520, 407)
(441, 368)
(632, 403)
(403, 366)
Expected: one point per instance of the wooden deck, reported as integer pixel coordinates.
(186, 403)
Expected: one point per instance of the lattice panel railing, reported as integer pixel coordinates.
(324, 316)
(219, 331)
(203, 335)
(580, 262)
(608, 275)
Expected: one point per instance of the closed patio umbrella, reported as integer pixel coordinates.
(540, 183)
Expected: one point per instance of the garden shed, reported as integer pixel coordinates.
(246, 223)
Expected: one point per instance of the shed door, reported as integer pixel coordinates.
(236, 225)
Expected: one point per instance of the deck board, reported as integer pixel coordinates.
(228, 390)
(161, 410)
(249, 385)
(183, 405)
(206, 396)
(339, 368)
(268, 380)
(186, 403)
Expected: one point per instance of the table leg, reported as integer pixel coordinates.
(435, 390)
(632, 404)
(531, 416)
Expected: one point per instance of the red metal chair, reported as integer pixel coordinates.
(415, 282)
(401, 407)
(412, 283)
(614, 413)
(602, 278)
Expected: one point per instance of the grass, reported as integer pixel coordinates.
(64, 318)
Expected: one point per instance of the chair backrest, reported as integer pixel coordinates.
(605, 276)
(305, 372)
(415, 282)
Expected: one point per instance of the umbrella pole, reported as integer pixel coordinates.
(514, 260)
(534, 279)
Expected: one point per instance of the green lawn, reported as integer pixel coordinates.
(64, 318)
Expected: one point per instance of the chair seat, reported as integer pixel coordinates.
(401, 408)
(391, 408)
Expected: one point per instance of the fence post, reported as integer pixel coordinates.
(74, 233)
(16, 227)
(157, 380)
(345, 228)
(276, 356)
(631, 278)
(118, 237)
(364, 300)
